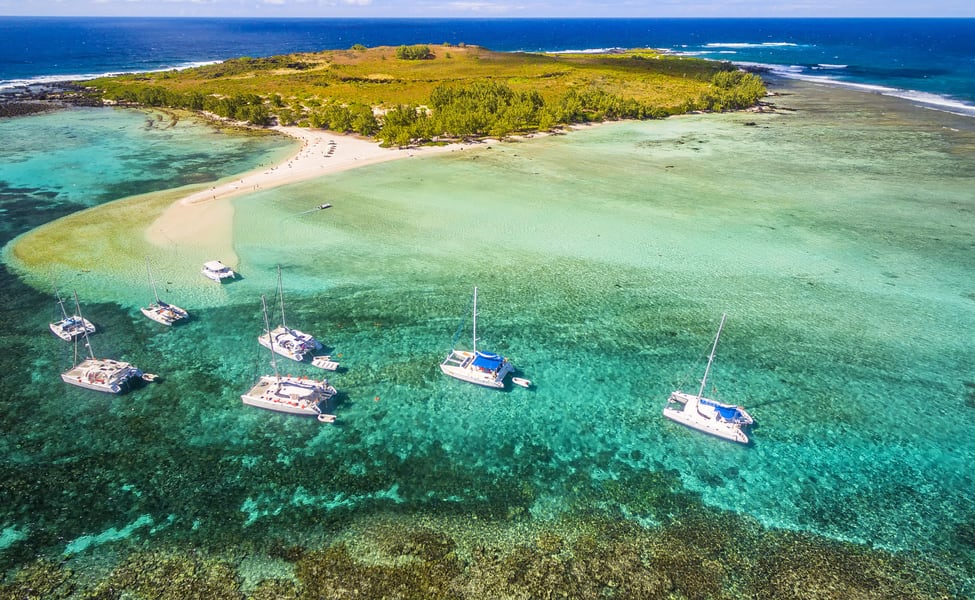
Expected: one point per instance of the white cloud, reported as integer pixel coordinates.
(480, 7)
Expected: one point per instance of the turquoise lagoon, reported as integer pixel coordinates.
(835, 231)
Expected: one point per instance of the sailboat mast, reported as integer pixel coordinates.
(474, 321)
(270, 338)
(61, 303)
(704, 380)
(84, 330)
(151, 281)
(281, 295)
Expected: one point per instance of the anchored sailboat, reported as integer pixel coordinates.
(70, 327)
(293, 395)
(99, 374)
(159, 311)
(476, 366)
(723, 420)
(286, 341)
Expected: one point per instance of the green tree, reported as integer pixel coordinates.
(733, 90)
(415, 52)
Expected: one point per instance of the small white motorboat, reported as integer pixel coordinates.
(324, 206)
(525, 383)
(217, 271)
(325, 362)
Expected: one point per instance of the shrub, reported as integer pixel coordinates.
(415, 52)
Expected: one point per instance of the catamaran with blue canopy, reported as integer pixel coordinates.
(710, 416)
(476, 366)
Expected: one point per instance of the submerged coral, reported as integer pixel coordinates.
(701, 554)
(169, 576)
(41, 580)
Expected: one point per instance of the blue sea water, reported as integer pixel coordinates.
(836, 233)
(929, 60)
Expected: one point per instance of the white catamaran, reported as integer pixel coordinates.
(99, 374)
(217, 271)
(159, 311)
(70, 327)
(723, 420)
(286, 341)
(476, 366)
(293, 395)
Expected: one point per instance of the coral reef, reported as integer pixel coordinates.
(41, 580)
(168, 576)
(332, 574)
(700, 554)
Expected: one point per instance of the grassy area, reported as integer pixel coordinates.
(552, 89)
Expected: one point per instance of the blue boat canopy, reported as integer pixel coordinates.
(729, 413)
(487, 361)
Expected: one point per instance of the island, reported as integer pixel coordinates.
(425, 94)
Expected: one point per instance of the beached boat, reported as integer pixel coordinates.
(99, 374)
(70, 327)
(710, 416)
(288, 342)
(159, 311)
(217, 271)
(476, 366)
(292, 395)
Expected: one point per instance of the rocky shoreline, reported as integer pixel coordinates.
(39, 98)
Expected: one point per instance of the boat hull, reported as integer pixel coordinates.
(101, 375)
(460, 365)
(289, 343)
(290, 395)
(688, 410)
(165, 314)
(217, 271)
(72, 327)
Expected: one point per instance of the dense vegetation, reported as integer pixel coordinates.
(415, 52)
(415, 94)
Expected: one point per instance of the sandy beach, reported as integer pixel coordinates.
(204, 219)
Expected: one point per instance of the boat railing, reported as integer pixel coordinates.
(456, 359)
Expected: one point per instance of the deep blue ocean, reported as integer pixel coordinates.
(931, 61)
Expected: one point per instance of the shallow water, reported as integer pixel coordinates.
(836, 233)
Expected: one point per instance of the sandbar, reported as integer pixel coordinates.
(203, 220)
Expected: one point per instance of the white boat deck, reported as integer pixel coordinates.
(164, 313)
(285, 343)
(700, 414)
(102, 375)
(459, 364)
(72, 327)
(292, 395)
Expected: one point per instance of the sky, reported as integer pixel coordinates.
(489, 9)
